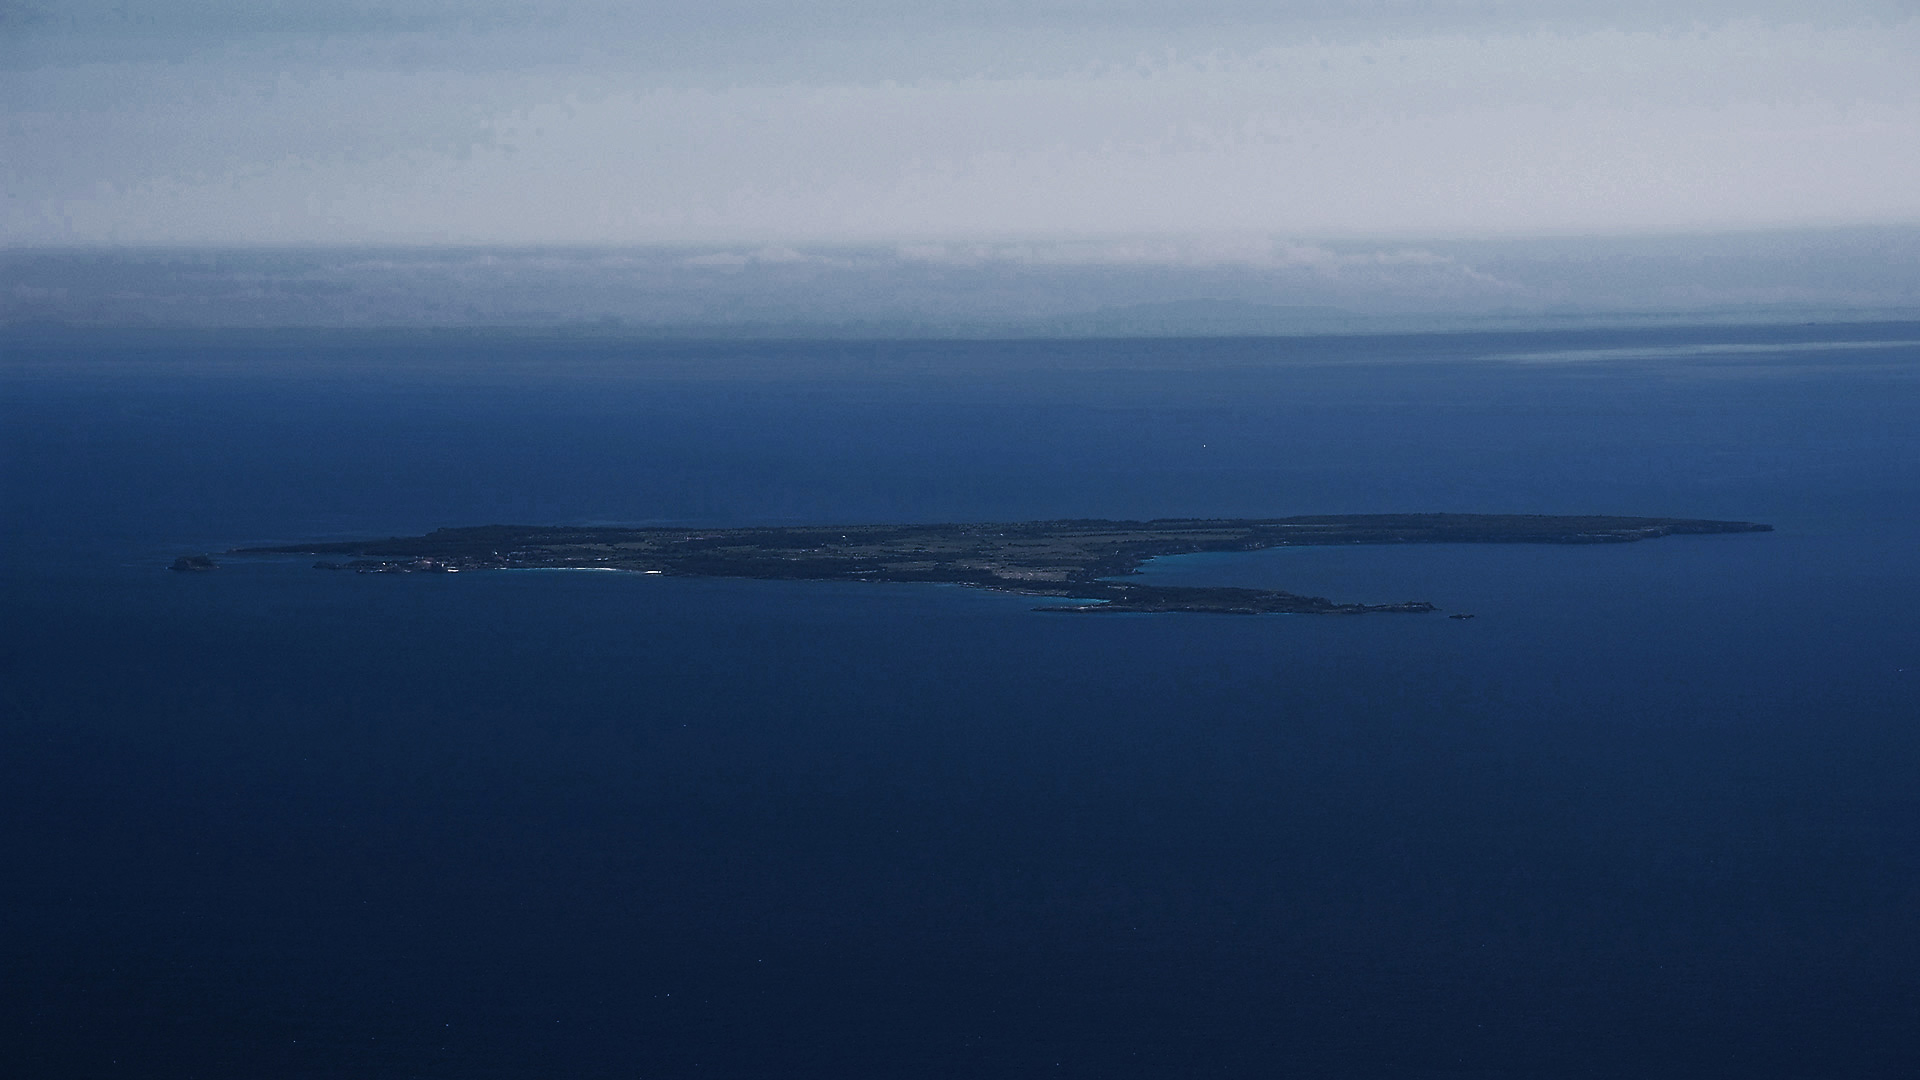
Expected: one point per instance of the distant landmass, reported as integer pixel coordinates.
(1075, 560)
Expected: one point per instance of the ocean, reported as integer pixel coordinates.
(1653, 812)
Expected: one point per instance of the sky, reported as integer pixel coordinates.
(1022, 129)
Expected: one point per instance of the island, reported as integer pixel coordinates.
(1082, 563)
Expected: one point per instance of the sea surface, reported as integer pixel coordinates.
(1654, 812)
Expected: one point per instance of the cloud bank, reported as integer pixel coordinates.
(1124, 286)
(789, 124)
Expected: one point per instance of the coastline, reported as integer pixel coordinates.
(1084, 560)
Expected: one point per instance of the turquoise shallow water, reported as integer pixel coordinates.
(1650, 813)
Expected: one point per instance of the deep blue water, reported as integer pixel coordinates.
(1655, 812)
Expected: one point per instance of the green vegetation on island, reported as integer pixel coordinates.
(1079, 561)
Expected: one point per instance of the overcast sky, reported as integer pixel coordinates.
(218, 122)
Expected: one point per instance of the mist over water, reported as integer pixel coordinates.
(1650, 813)
(1234, 283)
